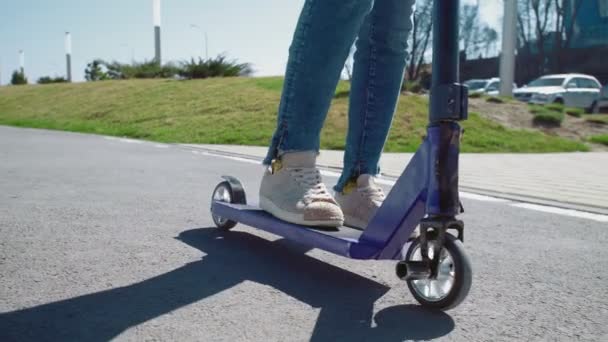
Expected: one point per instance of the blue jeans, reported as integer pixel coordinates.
(324, 35)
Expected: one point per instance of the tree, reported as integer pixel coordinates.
(489, 37)
(475, 36)
(534, 18)
(564, 31)
(541, 10)
(470, 28)
(18, 78)
(94, 72)
(422, 33)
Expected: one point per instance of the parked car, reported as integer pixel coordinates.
(490, 86)
(571, 90)
(601, 105)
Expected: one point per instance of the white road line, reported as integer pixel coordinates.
(161, 146)
(484, 198)
(245, 160)
(128, 141)
(561, 211)
(467, 195)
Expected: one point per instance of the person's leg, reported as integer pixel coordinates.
(292, 188)
(380, 60)
(324, 35)
(379, 67)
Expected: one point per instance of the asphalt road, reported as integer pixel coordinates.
(102, 238)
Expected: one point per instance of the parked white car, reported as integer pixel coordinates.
(571, 90)
(490, 86)
(602, 104)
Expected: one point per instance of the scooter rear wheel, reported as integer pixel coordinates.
(223, 193)
(454, 275)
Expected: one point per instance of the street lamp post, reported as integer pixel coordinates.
(68, 55)
(509, 41)
(22, 61)
(194, 26)
(157, 44)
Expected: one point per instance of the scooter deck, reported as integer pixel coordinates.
(335, 240)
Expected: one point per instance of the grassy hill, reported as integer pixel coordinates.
(229, 111)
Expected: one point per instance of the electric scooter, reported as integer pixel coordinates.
(434, 264)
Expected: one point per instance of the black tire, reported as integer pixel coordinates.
(221, 223)
(559, 101)
(463, 276)
(595, 108)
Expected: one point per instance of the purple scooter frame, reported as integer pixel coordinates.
(388, 232)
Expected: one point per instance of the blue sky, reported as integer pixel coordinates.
(258, 32)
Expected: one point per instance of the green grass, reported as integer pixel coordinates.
(229, 111)
(551, 115)
(597, 118)
(549, 118)
(600, 139)
(555, 107)
(576, 112)
(535, 109)
(495, 99)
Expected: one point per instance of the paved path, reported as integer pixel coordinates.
(104, 238)
(570, 180)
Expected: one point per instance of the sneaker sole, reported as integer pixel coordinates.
(295, 218)
(354, 222)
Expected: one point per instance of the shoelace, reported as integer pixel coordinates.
(374, 193)
(310, 180)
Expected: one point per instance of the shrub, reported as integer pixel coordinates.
(219, 66)
(475, 95)
(213, 67)
(556, 107)
(600, 139)
(549, 118)
(534, 109)
(18, 78)
(100, 70)
(601, 119)
(494, 99)
(341, 94)
(413, 87)
(49, 80)
(576, 112)
(145, 69)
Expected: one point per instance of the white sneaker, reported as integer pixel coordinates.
(360, 200)
(292, 190)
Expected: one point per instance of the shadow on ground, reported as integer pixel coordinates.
(345, 299)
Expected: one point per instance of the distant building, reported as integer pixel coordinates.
(591, 24)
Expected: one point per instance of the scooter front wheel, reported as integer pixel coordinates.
(454, 275)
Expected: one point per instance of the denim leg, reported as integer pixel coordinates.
(379, 67)
(324, 34)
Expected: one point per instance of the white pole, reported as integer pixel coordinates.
(156, 9)
(206, 46)
(509, 41)
(68, 55)
(22, 61)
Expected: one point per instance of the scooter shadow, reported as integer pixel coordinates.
(345, 299)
